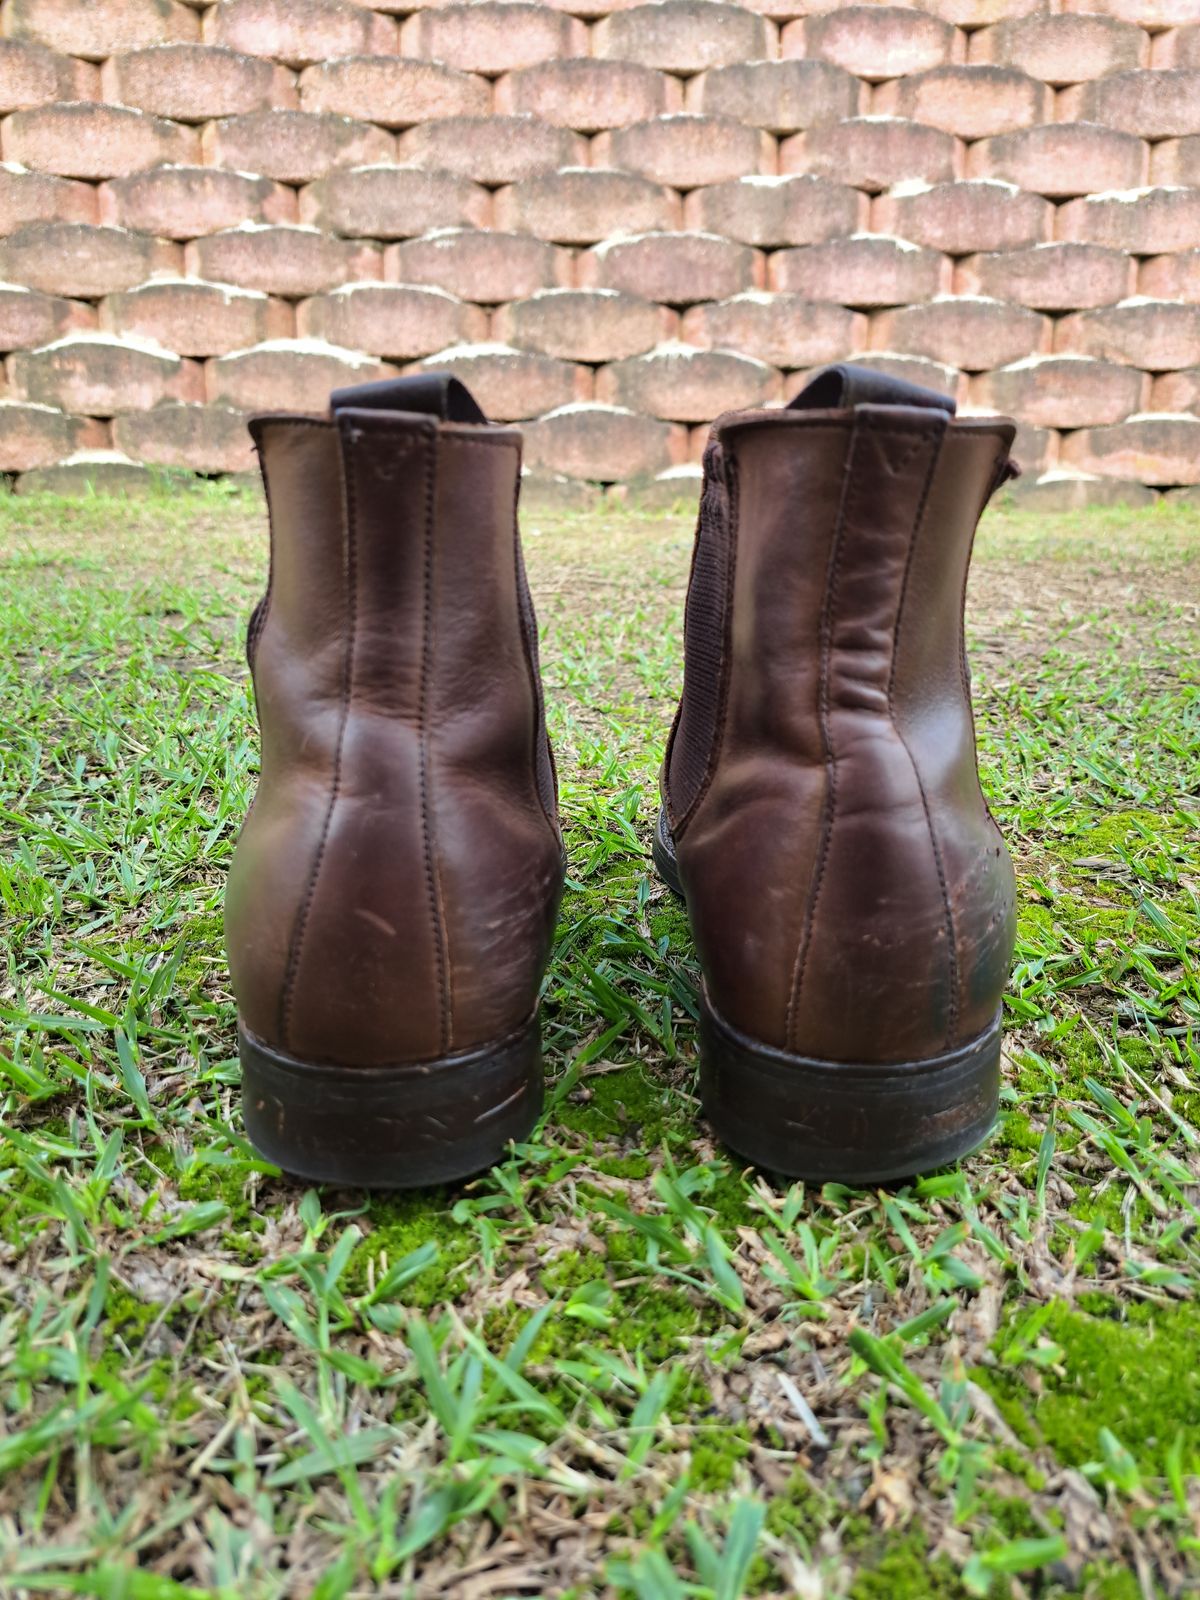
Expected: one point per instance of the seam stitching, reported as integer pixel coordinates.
(939, 864)
(432, 878)
(540, 730)
(300, 926)
(963, 664)
(829, 808)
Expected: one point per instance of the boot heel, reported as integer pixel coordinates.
(858, 1124)
(392, 1127)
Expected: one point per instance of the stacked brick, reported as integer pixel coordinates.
(612, 219)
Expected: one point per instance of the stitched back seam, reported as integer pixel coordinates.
(526, 623)
(350, 580)
(428, 829)
(829, 806)
(939, 864)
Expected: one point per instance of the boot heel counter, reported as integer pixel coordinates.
(907, 946)
(261, 905)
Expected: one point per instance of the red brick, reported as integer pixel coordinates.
(1149, 13)
(31, 75)
(957, 218)
(784, 330)
(27, 197)
(1178, 47)
(88, 473)
(391, 319)
(683, 384)
(1061, 391)
(94, 141)
(1154, 105)
(963, 331)
(197, 438)
(588, 95)
(675, 492)
(492, 38)
(1067, 490)
(1034, 449)
(486, 267)
(582, 205)
(584, 324)
(1176, 162)
(98, 375)
(783, 10)
(184, 202)
(781, 96)
(972, 102)
(673, 268)
(195, 82)
(286, 260)
(873, 42)
(602, 443)
(1049, 277)
(512, 385)
(29, 318)
(683, 35)
(394, 93)
(545, 493)
(1157, 335)
(76, 259)
(294, 146)
(917, 369)
(866, 270)
(288, 375)
(973, 13)
(1175, 277)
(299, 32)
(99, 28)
(493, 150)
(35, 435)
(686, 151)
(1060, 159)
(1149, 449)
(194, 318)
(1061, 49)
(1146, 221)
(586, 8)
(777, 211)
(872, 153)
(1176, 391)
(389, 202)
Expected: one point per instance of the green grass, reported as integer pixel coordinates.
(619, 1364)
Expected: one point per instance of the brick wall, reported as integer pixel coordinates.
(612, 220)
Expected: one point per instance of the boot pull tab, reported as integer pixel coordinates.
(440, 394)
(845, 385)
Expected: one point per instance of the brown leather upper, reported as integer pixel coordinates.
(393, 894)
(850, 895)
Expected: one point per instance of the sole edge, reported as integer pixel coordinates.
(409, 1126)
(854, 1123)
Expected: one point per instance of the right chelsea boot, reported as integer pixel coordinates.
(851, 898)
(392, 897)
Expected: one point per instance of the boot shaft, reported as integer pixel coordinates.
(393, 893)
(850, 895)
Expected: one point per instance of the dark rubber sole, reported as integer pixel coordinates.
(393, 1127)
(840, 1121)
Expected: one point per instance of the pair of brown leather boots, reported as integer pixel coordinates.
(393, 895)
